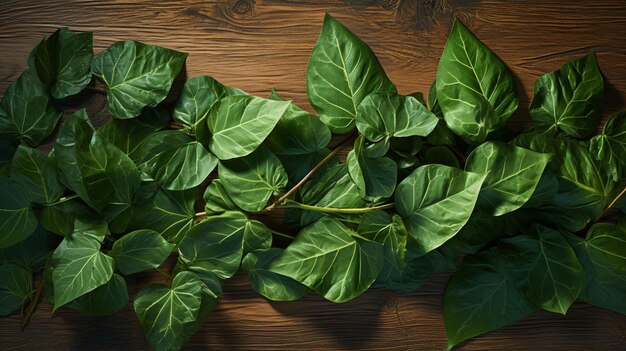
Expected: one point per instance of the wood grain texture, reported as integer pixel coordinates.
(258, 45)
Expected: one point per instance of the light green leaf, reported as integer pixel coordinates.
(27, 111)
(545, 269)
(569, 99)
(609, 148)
(36, 174)
(341, 72)
(273, 286)
(328, 258)
(217, 200)
(165, 312)
(297, 132)
(137, 75)
(105, 300)
(17, 220)
(475, 90)
(250, 181)
(384, 115)
(139, 251)
(240, 123)
(430, 191)
(512, 175)
(16, 288)
(175, 160)
(375, 177)
(63, 61)
(215, 245)
(480, 297)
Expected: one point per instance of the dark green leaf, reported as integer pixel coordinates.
(36, 173)
(217, 200)
(137, 75)
(479, 230)
(297, 166)
(17, 220)
(609, 148)
(59, 218)
(105, 300)
(32, 252)
(375, 177)
(16, 288)
(342, 71)
(139, 251)
(273, 286)
(256, 235)
(441, 155)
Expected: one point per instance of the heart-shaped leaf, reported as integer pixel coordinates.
(139, 251)
(609, 148)
(105, 300)
(217, 200)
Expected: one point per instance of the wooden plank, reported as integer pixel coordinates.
(258, 45)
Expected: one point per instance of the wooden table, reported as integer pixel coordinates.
(258, 45)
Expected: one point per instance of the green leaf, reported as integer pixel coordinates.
(297, 132)
(609, 148)
(63, 61)
(475, 90)
(27, 110)
(569, 99)
(31, 253)
(165, 312)
(139, 251)
(100, 173)
(441, 155)
(7, 149)
(16, 288)
(105, 300)
(342, 71)
(36, 173)
(215, 245)
(175, 160)
(328, 258)
(375, 177)
(545, 269)
(137, 75)
(130, 134)
(480, 297)
(59, 218)
(256, 235)
(273, 286)
(603, 257)
(384, 115)
(250, 181)
(240, 123)
(17, 220)
(479, 230)
(431, 190)
(298, 166)
(78, 265)
(512, 175)
(217, 200)
(416, 269)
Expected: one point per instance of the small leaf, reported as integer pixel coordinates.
(256, 236)
(342, 71)
(328, 258)
(217, 200)
(375, 177)
(475, 90)
(609, 147)
(240, 123)
(250, 181)
(569, 99)
(31, 253)
(36, 173)
(16, 288)
(17, 220)
(273, 286)
(441, 155)
(137, 75)
(165, 312)
(63, 61)
(105, 300)
(139, 251)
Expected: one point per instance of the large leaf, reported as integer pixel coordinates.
(139, 251)
(15, 287)
(609, 147)
(63, 61)
(475, 90)
(137, 75)
(36, 174)
(385, 115)
(297, 132)
(78, 265)
(375, 176)
(545, 269)
(250, 181)
(165, 311)
(341, 72)
(175, 160)
(480, 297)
(569, 99)
(215, 245)
(105, 300)
(512, 175)
(17, 220)
(240, 123)
(328, 258)
(273, 286)
(27, 111)
(603, 257)
(436, 201)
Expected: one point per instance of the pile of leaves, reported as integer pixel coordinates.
(428, 186)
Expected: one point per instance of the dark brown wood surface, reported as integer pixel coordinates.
(258, 45)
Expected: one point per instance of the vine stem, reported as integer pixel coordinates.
(308, 175)
(174, 125)
(63, 199)
(619, 196)
(28, 312)
(294, 204)
(284, 235)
